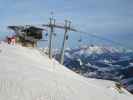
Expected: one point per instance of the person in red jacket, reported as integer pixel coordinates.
(13, 40)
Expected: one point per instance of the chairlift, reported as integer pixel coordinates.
(45, 37)
(46, 34)
(67, 37)
(80, 39)
(54, 34)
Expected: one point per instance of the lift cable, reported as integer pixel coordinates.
(105, 39)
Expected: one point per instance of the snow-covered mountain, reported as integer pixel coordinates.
(28, 74)
(101, 62)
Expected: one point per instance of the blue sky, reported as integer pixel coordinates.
(103, 17)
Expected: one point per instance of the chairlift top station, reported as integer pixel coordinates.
(27, 35)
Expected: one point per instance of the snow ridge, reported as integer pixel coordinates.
(26, 74)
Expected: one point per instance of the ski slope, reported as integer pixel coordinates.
(27, 74)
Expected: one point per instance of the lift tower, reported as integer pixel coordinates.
(51, 25)
(66, 27)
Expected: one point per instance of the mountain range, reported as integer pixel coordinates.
(101, 62)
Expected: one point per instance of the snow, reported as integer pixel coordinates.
(96, 50)
(26, 74)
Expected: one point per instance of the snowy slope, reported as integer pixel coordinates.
(26, 74)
